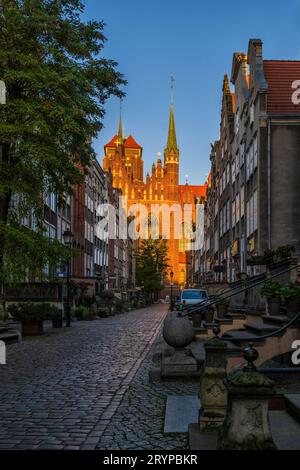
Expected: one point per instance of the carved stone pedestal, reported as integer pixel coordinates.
(247, 424)
(213, 391)
(179, 363)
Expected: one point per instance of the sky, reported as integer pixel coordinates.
(193, 41)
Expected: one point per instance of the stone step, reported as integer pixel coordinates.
(200, 331)
(242, 336)
(275, 319)
(198, 351)
(285, 430)
(233, 349)
(260, 328)
(292, 401)
(3, 329)
(10, 336)
(235, 316)
(224, 321)
(209, 326)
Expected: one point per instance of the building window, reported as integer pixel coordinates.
(242, 154)
(233, 214)
(251, 217)
(227, 215)
(236, 123)
(233, 170)
(228, 172)
(247, 166)
(242, 207)
(237, 209)
(252, 113)
(255, 153)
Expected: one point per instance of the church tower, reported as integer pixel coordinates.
(171, 154)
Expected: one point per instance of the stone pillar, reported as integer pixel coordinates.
(213, 391)
(247, 425)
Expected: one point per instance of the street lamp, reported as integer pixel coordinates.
(171, 284)
(68, 241)
(2, 147)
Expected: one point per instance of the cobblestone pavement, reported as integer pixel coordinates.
(87, 387)
(139, 421)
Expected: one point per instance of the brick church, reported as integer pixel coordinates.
(123, 157)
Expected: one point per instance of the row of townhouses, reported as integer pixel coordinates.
(99, 262)
(253, 193)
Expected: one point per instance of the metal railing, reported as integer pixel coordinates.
(231, 292)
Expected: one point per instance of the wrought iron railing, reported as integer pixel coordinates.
(231, 292)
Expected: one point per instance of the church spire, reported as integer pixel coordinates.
(226, 86)
(120, 130)
(172, 142)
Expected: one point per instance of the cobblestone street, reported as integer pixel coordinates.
(88, 388)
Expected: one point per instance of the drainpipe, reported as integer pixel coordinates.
(269, 185)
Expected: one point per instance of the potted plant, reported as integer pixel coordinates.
(32, 316)
(285, 252)
(103, 311)
(271, 290)
(80, 312)
(56, 315)
(118, 305)
(291, 295)
(222, 308)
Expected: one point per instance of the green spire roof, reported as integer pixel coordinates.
(172, 142)
(120, 140)
(120, 132)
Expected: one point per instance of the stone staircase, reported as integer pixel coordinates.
(240, 326)
(9, 336)
(285, 423)
(292, 402)
(237, 329)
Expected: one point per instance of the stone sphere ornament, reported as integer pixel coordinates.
(178, 331)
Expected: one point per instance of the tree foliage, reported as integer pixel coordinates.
(57, 84)
(151, 264)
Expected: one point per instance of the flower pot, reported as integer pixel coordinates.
(292, 307)
(274, 306)
(197, 319)
(89, 317)
(57, 323)
(222, 310)
(32, 327)
(209, 315)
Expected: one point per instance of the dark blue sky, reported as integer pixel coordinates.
(194, 41)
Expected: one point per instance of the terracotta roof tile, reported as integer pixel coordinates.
(280, 75)
(112, 142)
(131, 143)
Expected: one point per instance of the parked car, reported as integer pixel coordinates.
(193, 296)
(190, 298)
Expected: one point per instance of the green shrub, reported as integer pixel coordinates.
(285, 251)
(80, 312)
(107, 294)
(118, 305)
(290, 292)
(103, 311)
(271, 290)
(33, 311)
(87, 300)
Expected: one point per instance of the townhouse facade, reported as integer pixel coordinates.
(100, 262)
(253, 194)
